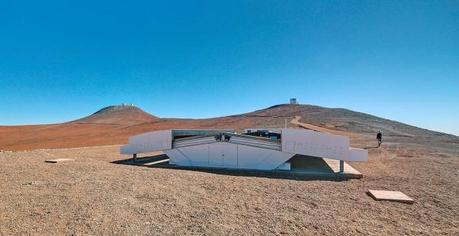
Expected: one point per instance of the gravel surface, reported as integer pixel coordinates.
(91, 195)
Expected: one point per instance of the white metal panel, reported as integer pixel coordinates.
(245, 153)
(148, 142)
(192, 141)
(256, 142)
(176, 157)
(192, 155)
(358, 154)
(228, 155)
(312, 143)
(220, 154)
(216, 155)
(260, 159)
(285, 166)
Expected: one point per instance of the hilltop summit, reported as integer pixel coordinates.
(126, 114)
(343, 119)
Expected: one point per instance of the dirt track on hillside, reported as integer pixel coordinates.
(93, 196)
(114, 125)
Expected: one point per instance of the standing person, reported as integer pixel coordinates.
(379, 138)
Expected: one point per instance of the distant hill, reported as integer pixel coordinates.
(343, 119)
(114, 124)
(119, 114)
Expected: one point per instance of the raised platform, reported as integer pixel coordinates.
(305, 167)
(322, 166)
(349, 171)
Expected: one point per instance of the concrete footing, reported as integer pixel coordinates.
(343, 169)
(309, 167)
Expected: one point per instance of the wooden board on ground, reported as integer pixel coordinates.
(390, 196)
(349, 171)
(58, 160)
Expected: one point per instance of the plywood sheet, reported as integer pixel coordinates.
(349, 171)
(390, 196)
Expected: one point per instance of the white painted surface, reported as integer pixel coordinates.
(176, 157)
(358, 154)
(228, 155)
(312, 143)
(260, 159)
(285, 166)
(256, 142)
(189, 156)
(244, 153)
(148, 142)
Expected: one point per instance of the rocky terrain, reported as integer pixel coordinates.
(114, 124)
(94, 195)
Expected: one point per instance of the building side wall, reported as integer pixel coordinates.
(228, 155)
(311, 143)
(148, 142)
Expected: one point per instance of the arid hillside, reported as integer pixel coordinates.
(364, 125)
(102, 195)
(114, 124)
(122, 115)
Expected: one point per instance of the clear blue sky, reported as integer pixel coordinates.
(61, 60)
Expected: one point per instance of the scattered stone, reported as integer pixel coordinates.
(58, 160)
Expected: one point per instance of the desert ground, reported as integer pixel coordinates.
(115, 124)
(92, 195)
(95, 195)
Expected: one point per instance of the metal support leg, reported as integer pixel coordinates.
(134, 157)
(341, 166)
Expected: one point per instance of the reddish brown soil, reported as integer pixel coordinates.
(108, 127)
(91, 195)
(113, 125)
